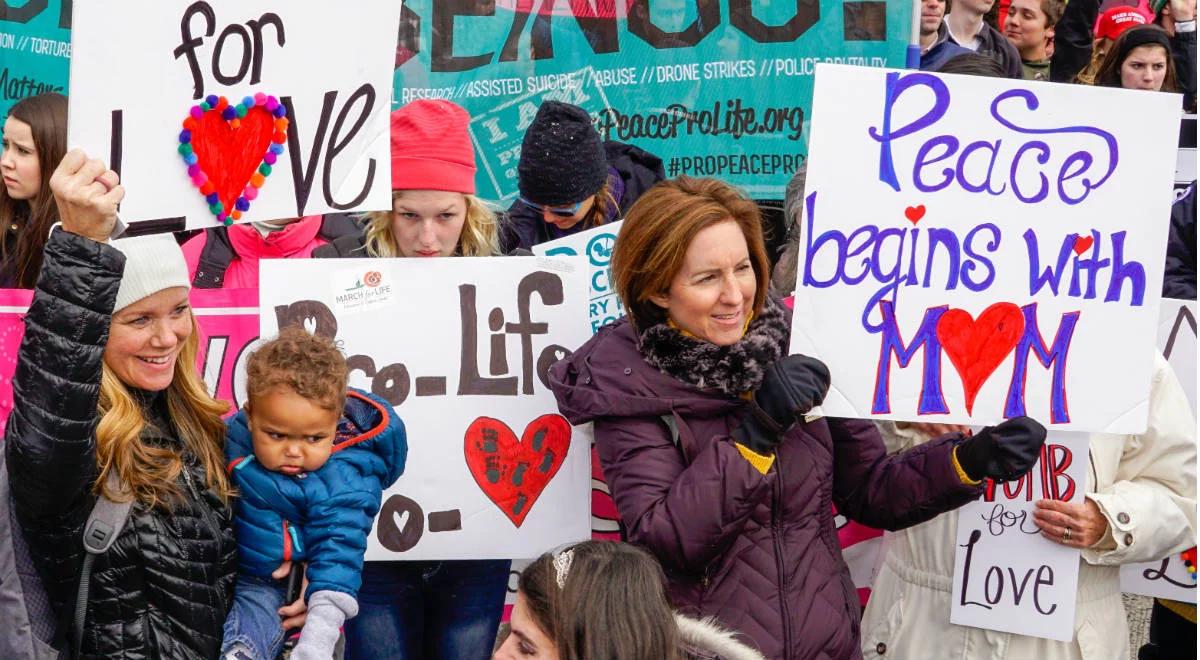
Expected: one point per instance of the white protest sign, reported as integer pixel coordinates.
(1007, 576)
(1169, 577)
(139, 67)
(970, 249)
(604, 305)
(461, 348)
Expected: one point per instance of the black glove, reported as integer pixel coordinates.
(791, 387)
(1002, 452)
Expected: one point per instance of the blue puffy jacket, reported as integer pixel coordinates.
(322, 517)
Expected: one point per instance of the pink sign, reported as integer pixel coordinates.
(228, 320)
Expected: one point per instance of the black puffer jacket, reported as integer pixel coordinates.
(164, 587)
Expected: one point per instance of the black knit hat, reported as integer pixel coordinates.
(562, 157)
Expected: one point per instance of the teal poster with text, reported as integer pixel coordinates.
(713, 87)
(35, 49)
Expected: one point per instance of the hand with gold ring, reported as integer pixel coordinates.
(1079, 525)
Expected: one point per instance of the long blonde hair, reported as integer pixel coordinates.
(1100, 48)
(151, 472)
(480, 235)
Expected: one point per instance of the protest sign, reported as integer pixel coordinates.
(461, 348)
(35, 50)
(320, 124)
(1170, 577)
(993, 233)
(228, 320)
(1007, 576)
(604, 305)
(714, 87)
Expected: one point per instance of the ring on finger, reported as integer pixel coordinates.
(1066, 536)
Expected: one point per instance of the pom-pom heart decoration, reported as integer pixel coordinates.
(229, 150)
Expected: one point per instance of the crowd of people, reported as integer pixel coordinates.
(237, 531)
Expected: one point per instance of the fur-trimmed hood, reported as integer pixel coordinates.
(703, 639)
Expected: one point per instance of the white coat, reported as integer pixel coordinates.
(1145, 485)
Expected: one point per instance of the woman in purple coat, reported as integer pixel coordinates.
(701, 426)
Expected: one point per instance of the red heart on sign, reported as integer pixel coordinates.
(977, 346)
(230, 156)
(915, 213)
(1082, 244)
(514, 473)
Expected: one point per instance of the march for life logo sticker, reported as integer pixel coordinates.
(357, 291)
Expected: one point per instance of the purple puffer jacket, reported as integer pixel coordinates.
(758, 552)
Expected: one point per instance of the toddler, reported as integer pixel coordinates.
(310, 461)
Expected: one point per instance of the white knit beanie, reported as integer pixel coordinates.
(152, 263)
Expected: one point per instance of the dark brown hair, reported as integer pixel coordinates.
(46, 115)
(658, 230)
(1109, 73)
(612, 604)
(309, 365)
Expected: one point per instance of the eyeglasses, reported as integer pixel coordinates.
(560, 211)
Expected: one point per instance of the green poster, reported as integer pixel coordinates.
(35, 49)
(713, 87)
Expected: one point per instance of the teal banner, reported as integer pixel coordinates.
(713, 87)
(35, 49)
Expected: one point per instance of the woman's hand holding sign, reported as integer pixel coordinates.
(1079, 525)
(87, 194)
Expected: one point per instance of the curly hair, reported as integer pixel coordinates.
(309, 365)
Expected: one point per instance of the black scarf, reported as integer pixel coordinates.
(732, 369)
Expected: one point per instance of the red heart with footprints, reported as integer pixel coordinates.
(915, 213)
(514, 473)
(976, 347)
(1083, 244)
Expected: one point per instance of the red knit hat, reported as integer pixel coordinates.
(1118, 19)
(431, 147)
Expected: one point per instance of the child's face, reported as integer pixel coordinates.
(291, 434)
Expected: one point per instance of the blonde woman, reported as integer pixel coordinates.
(427, 609)
(435, 212)
(106, 383)
(1109, 27)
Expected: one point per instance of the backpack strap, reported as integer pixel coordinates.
(214, 259)
(104, 525)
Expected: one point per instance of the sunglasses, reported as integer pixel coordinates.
(560, 211)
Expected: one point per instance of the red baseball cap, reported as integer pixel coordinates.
(1118, 19)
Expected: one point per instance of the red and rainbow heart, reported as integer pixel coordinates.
(229, 150)
(511, 473)
(976, 347)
